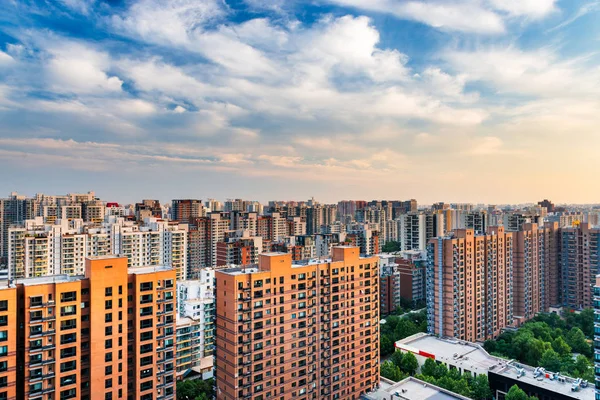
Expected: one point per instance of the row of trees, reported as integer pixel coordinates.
(401, 365)
(549, 342)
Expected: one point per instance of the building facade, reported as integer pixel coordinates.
(306, 330)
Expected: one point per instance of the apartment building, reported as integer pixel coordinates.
(305, 330)
(579, 263)
(196, 325)
(8, 342)
(469, 284)
(38, 248)
(535, 270)
(106, 335)
(183, 210)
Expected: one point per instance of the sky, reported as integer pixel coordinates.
(483, 101)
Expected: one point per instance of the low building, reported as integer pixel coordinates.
(502, 374)
(411, 389)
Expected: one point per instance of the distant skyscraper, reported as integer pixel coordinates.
(184, 210)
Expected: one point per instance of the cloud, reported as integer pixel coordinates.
(582, 11)
(452, 15)
(529, 8)
(5, 59)
(79, 69)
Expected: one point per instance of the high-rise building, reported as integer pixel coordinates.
(579, 264)
(196, 325)
(239, 250)
(470, 284)
(107, 334)
(548, 204)
(298, 330)
(37, 248)
(9, 360)
(184, 210)
(597, 332)
(535, 270)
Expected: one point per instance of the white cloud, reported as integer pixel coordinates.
(79, 69)
(179, 109)
(453, 15)
(529, 8)
(5, 59)
(80, 6)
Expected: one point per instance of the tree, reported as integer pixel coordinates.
(576, 339)
(405, 328)
(409, 363)
(391, 247)
(386, 345)
(196, 389)
(396, 358)
(440, 371)
(390, 371)
(461, 386)
(429, 368)
(516, 393)
(561, 347)
(551, 361)
(481, 388)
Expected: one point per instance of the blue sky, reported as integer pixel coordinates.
(442, 100)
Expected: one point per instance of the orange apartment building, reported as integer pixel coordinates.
(469, 280)
(106, 335)
(8, 343)
(306, 330)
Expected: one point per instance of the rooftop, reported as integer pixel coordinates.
(148, 269)
(239, 270)
(106, 257)
(42, 280)
(411, 389)
(472, 357)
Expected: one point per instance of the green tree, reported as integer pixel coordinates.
(551, 360)
(516, 393)
(386, 345)
(409, 363)
(561, 347)
(391, 247)
(196, 389)
(396, 358)
(576, 339)
(440, 371)
(405, 328)
(429, 368)
(461, 386)
(390, 371)
(481, 388)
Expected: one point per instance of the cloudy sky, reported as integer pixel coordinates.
(441, 100)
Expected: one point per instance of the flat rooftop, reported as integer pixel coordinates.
(562, 386)
(148, 269)
(106, 257)
(473, 357)
(411, 389)
(462, 354)
(239, 270)
(43, 280)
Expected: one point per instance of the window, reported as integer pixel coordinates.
(68, 296)
(108, 291)
(168, 283)
(68, 310)
(108, 305)
(108, 331)
(145, 286)
(108, 317)
(145, 348)
(68, 366)
(146, 336)
(145, 386)
(68, 338)
(3, 305)
(36, 387)
(108, 370)
(146, 323)
(3, 320)
(68, 394)
(108, 344)
(108, 383)
(3, 336)
(85, 291)
(3, 381)
(3, 351)
(146, 360)
(35, 301)
(3, 366)
(108, 357)
(68, 324)
(35, 344)
(35, 315)
(68, 380)
(68, 352)
(35, 373)
(35, 330)
(145, 373)
(146, 311)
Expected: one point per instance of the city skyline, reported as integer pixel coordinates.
(328, 98)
